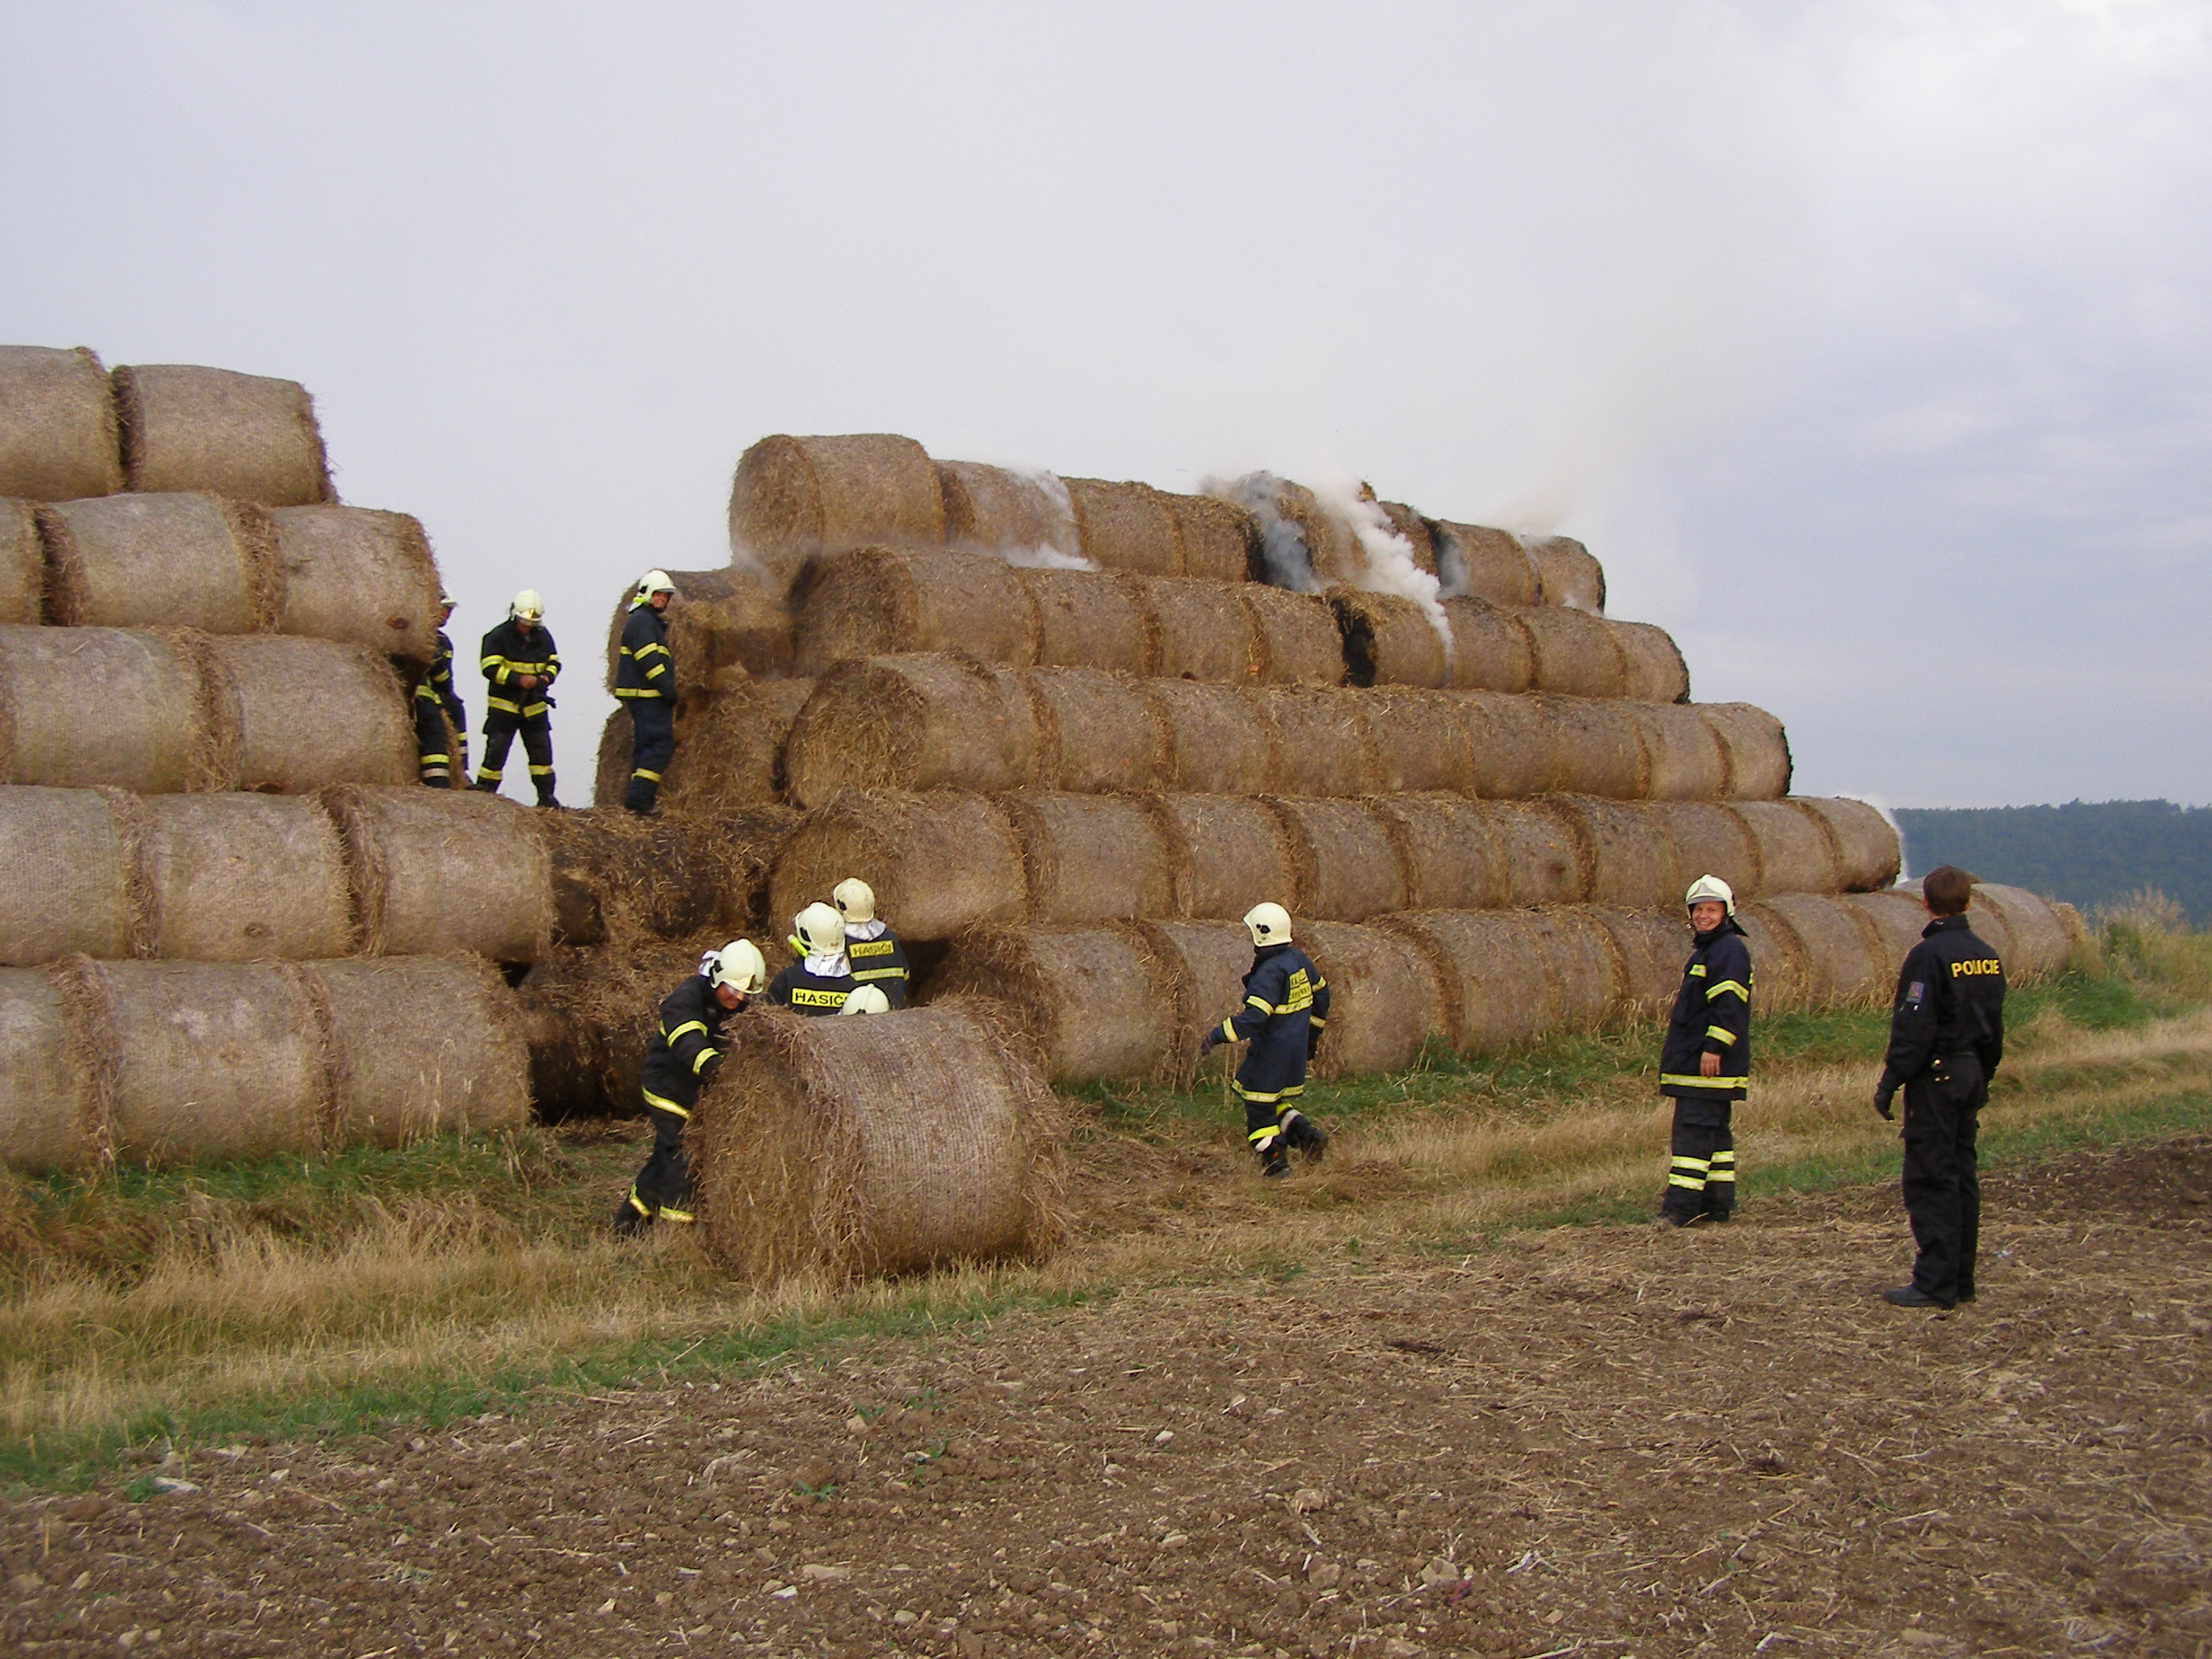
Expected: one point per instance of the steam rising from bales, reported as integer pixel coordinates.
(1284, 558)
(1391, 567)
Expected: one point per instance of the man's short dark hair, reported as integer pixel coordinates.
(1948, 889)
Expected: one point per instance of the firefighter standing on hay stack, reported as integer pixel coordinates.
(436, 703)
(683, 1054)
(1707, 1059)
(520, 663)
(1285, 1010)
(876, 956)
(645, 681)
(820, 980)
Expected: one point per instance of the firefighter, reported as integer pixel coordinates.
(520, 663)
(645, 681)
(875, 954)
(686, 1051)
(820, 980)
(437, 703)
(1946, 1037)
(1285, 1010)
(866, 999)
(1705, 1059)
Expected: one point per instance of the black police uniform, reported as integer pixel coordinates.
(1711, 1016)
(645, 681)
(810, 994)
(881, 962)
(1946, 1037)
(686, 1051)
(436, 703)
(508, 653)
(1285, 1010)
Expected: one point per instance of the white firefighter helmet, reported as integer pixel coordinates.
(446, 598)
(740, 966)
(1269, 923)
(526, 606)
(866, 999)
(1710, 889)
(819, 931)
(855, 899)
(653, 582)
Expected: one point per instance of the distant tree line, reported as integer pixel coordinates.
(2088, 853)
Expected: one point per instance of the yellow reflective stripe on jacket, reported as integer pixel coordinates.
(502, 706)
(1668, 1078)
(1728, 985)
(705, 1054)
(1260, 1003)
(1229, 1030)
(880, 973)
(1720, 1034)
(661, 1104)
(673, 1037)
(1696, 971)
(1256, 1096)
(638, 691)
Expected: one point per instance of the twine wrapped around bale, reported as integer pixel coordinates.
(1867, 850)
(1218, 538)
(1566, 574)
(360, 732)
(729, 750)
(872, 601)
(1100, 1002)
(617, 876)
(1348, 863)
(1091, 858)
(187, 560)
(1096, 732)
(236, 877)
(435, 871)
(66, 882)
(1796, 854)
(1126, 526)
(245, 436)
(1653, 668)
(913, 723)
(160, 729)
(586, 1017)
(1384, 999)
(1491, 650)
(1629, 857)
(938, 862)
(905, 1142)
(1216, 744)
(59, 441)
(1485, 564)
(794, 497)
(22, 566)
(359, 576)
(1755, 751)
(1450, 850)
(1576, 653)
(989, 509)
(1683, 752)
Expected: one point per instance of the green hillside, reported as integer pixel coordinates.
(2086, 853)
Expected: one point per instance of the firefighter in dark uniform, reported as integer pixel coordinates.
(1706, 1060)
(1946, 1037)
(645, 682)
(436, 703)
(521, 664)
(822, 979)
(876, 956)
(686, 1051)
(1285, 1010)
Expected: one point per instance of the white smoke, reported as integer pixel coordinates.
(1063, 548)
(1040, 558)
(1903, 872)
(1284, 559)
(1388, 562)
(1529, 541)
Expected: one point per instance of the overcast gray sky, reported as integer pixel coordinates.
(1867, 343)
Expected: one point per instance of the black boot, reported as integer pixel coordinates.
(1274, 1163)
(630, 1222)
(1304, 1135)
(489, 786)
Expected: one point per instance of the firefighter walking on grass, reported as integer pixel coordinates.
(645, 682)
(1706, 1060)
(873, 952)
(1284, 1012)
(520, 663)
(436, 704)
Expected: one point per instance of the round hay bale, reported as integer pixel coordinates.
(1867, 850)
(672, 877)
(1420, 741)
(1781, 968)
(1415, 531)
(157, 732)
(2039, 941)
(59, 441)
(1756, 752)
(587, 1016)
(1206, 631)
(1230, 852)
(988, 509)
(1099, 1001)
(1514, 742)
(899, 1144)
(1566, 574)
(1126, 526)
(1844, 954)
(1601, 747)
(1387, 640)
(1545, 859)
(939, 863)
(436, 870)
(241, 878)
(1450, 850)
(1576, 654)
(1650, 948)
(1295, 634)
(1485, 564)
(69, 881)
(873, 601)
(361, 731)
(1500, 987)
(1331, 549)
(1652, 667)
(1218, 744)
(1092, 619)
(352, 574)
(46, 1097)
(1220, 538)
(730, 748)
(184, 561)
(245, 436)
(1709, 839)
(1204, 963)
(1348, 862)
(1795, 852)
(22, 566)
(1585, 971)
(1090, 858)
(1096, 732)
(1384, 1000)
(1686, 758)
(1627, 851)
(1491, 649)
(423, 1046)
(1322, 745)
(794, 497)
(1898, 918)
(911, 722)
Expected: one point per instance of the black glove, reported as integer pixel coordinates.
(1209, 1042)
(1881, 1102)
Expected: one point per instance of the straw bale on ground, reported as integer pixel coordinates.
(1485, 564)
(184, 560)
(1126, 526)
(357, 574)
(440, 870)
(794, 497)
(58, 435)
(1898, 917)
(1205, 963)
(1091, 619)
(586, 1017)
(1420, 741)
(1491, 650)
(1101, 1002)
(616, 876)
(1652, 947)
(938, 862)
(1756, 752)
(988, 509)
(1217, 536)
(1780, 967)
(1449, 849)
(22, 566)
(1348, 863)
(1566, 574)
(1683, 750)
(2039, 939)
(1578, 955)
(360, 731)
(1384, 1000)
(63, 878)
(236, 877)
(1575, 652)
(1496, 986)
(1795, 852)
(1090, 858)
(156, 732)
(245, 436)
(1654, 671)
(421, 1045)
(872, 601)
(46, 1093)
(1600, 745)
(901, 1143)
(1867, 850)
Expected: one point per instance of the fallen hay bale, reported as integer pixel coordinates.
(1100, 1002)
(1126, 526)
(1485, 564)
(619, 877)
(22, 566)
(1867, 850)
(991, 510)
(361, 731)
(794, 497)
(938, 862)
(1755, 751)
(186, 560)
(158, 731)
(1566, 574)
(1576, 653)
(1091, 858)
(1384, 1000)
(1653, 669)
(245, 436)
(1220, 538)
(1491, 650)
(586, 1017)
(440, 871)
(909, 1142)
(59, 441)
(359, 576)
(873, 601)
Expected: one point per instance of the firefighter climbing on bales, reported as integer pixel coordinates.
(686, 1051)
(1285, 1010)
(821, 978)
(1707, 1059)
(645, 681)
(521, 664)
(436, 704)
(876, 956)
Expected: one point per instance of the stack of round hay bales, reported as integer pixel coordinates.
(794, 497)
(993, 510)
(244, 435)
(729, 750)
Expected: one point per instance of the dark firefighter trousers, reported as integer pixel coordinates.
(662, 1190)
(1943, 1190)
(499, 732)
(651, 746)
(432, 751)
(1701, 1172)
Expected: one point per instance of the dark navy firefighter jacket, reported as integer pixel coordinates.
(685, 1052)
(643, 667)
(1712, 1015)
(1285, 1010)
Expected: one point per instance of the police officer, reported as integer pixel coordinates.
(521, 664)
(645, 681)
(1284, 1012)
(1705, 1059)
(1946, 1037)
(820, 980)
(436, 703)
(874, 952)
(683, 1054)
